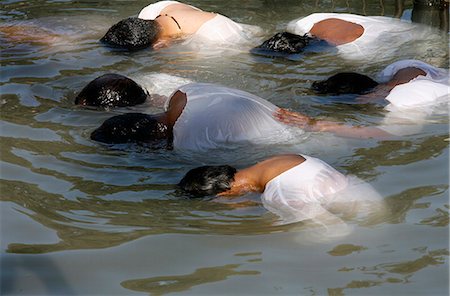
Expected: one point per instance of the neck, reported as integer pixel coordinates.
(162, 118)
(169, 27)
(244, 182)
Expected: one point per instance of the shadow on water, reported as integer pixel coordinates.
(36, 267)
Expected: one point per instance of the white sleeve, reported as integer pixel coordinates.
(433, 72)
(303, 25)
(418, 93)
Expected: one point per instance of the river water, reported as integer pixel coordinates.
(79, 218)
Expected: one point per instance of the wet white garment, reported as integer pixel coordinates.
(219, 29)
(152, 11)
(433, 73)
(410, 103)
(314, 189)
(217, 116)
(420, 91)
(380, 33)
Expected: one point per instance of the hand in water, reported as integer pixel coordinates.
(293, 118)
(28, 33)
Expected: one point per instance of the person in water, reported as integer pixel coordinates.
(198, 116)
(163, 21)
(410, 87)
(353, 34)
(112, 90)
(294, 187)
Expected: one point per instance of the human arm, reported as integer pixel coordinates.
(176, 106)
(316, 125)
(28, 33)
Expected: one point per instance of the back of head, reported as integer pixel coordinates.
(345, 83)
(130, 128)
(286, 42)
(132, 33)
(208, 180)
(111, 90)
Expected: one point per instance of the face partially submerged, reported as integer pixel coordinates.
(111, 90)
(208, 180)
(132, 34)
(130, 128)
(345, 83)
(286, 42)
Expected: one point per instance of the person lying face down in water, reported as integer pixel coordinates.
(201, 116)
(350, 33)
(410, 87)
(198, 116)
(112, 90)
(294, 187)
(163, 21)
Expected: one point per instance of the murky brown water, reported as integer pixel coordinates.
(78, 218)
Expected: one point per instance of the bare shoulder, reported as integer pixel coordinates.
(337, 31)
(407, 74)
(283, 158)
(176, 106)
(274, 166)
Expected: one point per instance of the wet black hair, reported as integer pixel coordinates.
(111, 90)
(345, 83)
(132, 34)
(130, 128)
(286, 42)
(208, 180)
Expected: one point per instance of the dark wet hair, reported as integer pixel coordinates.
(345, 83)
(111, 90)
(132, 33)
(130, 128)
(286, 42)
(208, 180)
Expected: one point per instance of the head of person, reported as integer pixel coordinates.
(131, 128)
(208, 180)
(286, 42)
(132, 34)
(345, 83)
(111, 90)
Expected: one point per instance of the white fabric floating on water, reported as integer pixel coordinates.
(382, 36)
(313, 190)
(216, 116)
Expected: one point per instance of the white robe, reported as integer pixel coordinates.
(314, 190)
(217, 116)
(381, 36)
(411, 103)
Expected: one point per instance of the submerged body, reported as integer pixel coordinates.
(159, 23)
(215, 116)
(353, 36)
(201, 116)
(294, 187)
(412, 89)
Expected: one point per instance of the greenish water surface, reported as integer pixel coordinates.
(79, 218)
